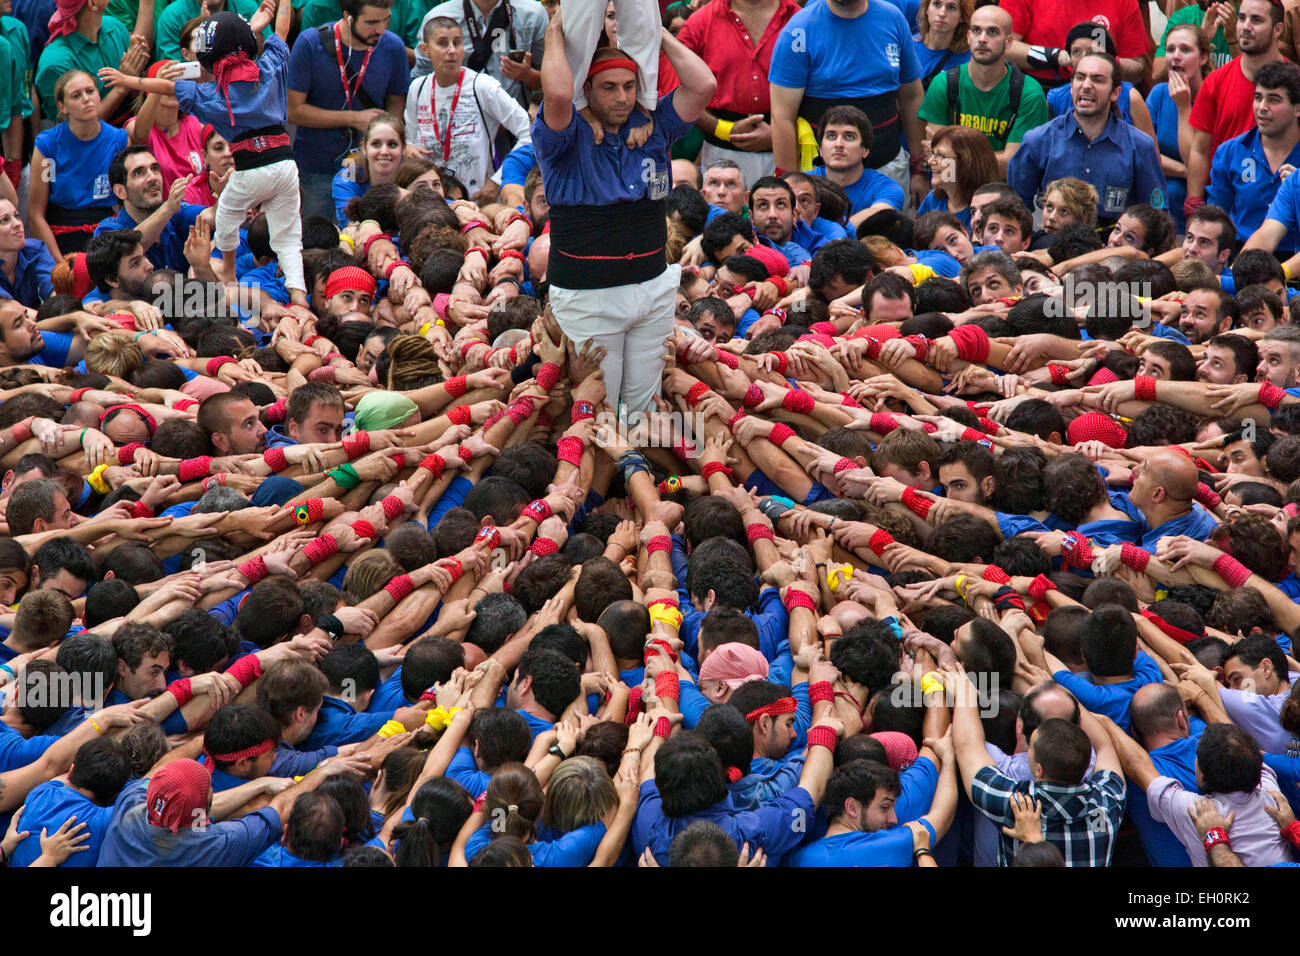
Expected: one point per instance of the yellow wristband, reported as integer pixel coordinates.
(438, 719)
(666, 614)
(921, 272)
(960, 585)
(424, 329)
(931, 683)
(1286, 271)
(392, 728)
(834, 575)
(440, 324)
(352, 244)
(96, 726)
(96, 479)
(723, 130)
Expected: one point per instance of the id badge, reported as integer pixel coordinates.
(1116, 199)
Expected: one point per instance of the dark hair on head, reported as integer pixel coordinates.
(411, 546)
(1063, 750)
(93, 659)
(1110, 591)
(1162, 424)
(723, 231)
(712, 517)
(1281, 75)
(691, 208)
(541, 581)
(440, 808)
(1229, 759)
(703, 844)
(500, 735)
(199, 640)
(514, 797)
(1149, 278)
(1063, 633)
(689, 775)
(530, 465)
(860, 747)
(1037, 417)
(846, 260)
(1076, 239)
(1256, 267)
(351, 667)
(496, 618)
(1074, 487)
(430, 660)
(1110, 641)
(102, 767)
(505, 850)
(564, 639)
(939, 294)
(890, 285)
(108, 600)
(65, 554)
(315, 828)
(352, 799)
(1021, 556)
(600, 583)
(867, 654)
(1212, 652)
(272, 610)
(366, 856)
(1019, 483)
(37, 706)
(733, 584)
(963, 538)
(556, 681)
(859, 780)
(1041, 854)
(498, 498)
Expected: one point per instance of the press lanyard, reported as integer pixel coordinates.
(451, 116)
(343, 74)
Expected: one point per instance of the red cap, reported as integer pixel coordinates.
(178, 794)
(900, 749)
(349, 279)
(1094, 426)
(777, 264)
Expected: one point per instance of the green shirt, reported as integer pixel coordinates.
(167, 31)
(1219, 53)
(987, 112)
(75, 52)
(19, 80)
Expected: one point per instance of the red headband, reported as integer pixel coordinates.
(786, 705)
(613, 63)
(255, 751)
(1177, 633)
(149, 419)
(349, 278)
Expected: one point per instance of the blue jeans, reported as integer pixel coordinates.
(317, 193)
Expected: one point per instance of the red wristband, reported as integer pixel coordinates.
(1270, 396)
(434, 464)
(795, 598)
(879, 541)
(538, 509)
(548, 376)
(246, 670)
(667, 685)
(822, 736)
(914, 503)
(126, 454)
(1144, 388)
(141, 510)
(364, 528)
(193, 468)
(456, 568)
(214, 364)
(882, 423)
(570, 449)
(715, 467)
(663, 727)
(399, 587)
(320, 549)
(356, 445)
(780, 434)
(1040, 586)
(782, 362)
(1131, 556)
(323, 374)
(181, 690)
(393, 507)
(1060, 374)
(996, 575)
(460, 415)
(756, 532)
(456, 387)
(696, 392)
(727, 359)
(799, 402)
(660, 542)
(823, 691)
(254, 569)
(1231, 570)
(543, 546)
(1207, 496)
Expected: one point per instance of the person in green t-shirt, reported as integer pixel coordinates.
(1219, 17)
(407, 17)
(984, 94)
(167, 38)
(71, 47)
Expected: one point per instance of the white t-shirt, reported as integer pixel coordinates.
(482, 109)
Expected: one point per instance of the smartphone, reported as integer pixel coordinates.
(190, 70)
(517, 55)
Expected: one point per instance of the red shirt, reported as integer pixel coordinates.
(1048, 22)
(1225, 106)
(717, 35)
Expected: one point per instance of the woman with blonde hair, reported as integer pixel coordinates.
(1066, 201)
(961, 161)
(942, 44)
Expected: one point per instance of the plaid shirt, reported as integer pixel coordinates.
(1080, 820)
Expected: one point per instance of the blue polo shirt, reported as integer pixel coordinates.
(278, 855)
(794, 253)
(1178, 760)
(169, 251)
(339, 723)
(49, 806)
(933, 203)
(831, 57)
(890, 847)
(580, 172)
(1242, 184)
(519, 162)
(314, 70)
(32, 283)
(1112, 699)
(870, 188)
(464, 770)
(1285, 207)
(1121, 164)
(551, 848)
(813, 237)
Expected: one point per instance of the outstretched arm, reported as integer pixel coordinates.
(698, 82)
(557, 79)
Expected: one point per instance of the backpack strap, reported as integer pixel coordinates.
(1014, 94)
(954, 91)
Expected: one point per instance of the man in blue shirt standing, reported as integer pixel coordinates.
(1092, 144)
(1247, 173)
(610, 279)
(163, 222)
(341, 76)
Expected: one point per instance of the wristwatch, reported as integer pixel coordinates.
(557, 750)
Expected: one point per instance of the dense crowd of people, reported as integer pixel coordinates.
(725, 433)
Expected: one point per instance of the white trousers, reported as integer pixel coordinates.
(275, 189)
(631, 323)
(639, 26)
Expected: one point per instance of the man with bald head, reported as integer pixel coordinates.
(1161, 724)
(1164, 486)
(993, 95)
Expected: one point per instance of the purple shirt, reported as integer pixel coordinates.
(1257, 714)
(1255, 836)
